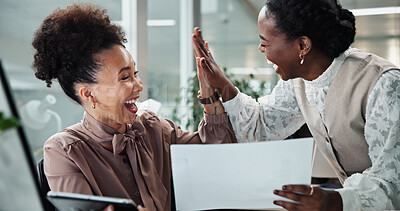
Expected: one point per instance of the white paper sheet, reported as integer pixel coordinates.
(238, 176)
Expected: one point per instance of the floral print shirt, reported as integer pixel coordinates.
(276, 116)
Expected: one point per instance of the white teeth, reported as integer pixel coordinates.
(275, 66)
(130, 101)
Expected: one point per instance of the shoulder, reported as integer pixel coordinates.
(369, 60)
(392, 75)
(385, 96)
(389, 81)
(65, 138)
(147, 117)
(150, 119)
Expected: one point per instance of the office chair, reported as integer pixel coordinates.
(44, 186)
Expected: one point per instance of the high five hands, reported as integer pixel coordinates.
(208, 68)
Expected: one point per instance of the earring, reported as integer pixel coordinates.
(302, 58)
(94, 106)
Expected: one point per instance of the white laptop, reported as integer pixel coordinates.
(238, 176)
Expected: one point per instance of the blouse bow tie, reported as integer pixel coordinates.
(120, 141)
(153, 192)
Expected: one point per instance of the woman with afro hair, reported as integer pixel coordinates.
(350, 101)
(116, 150)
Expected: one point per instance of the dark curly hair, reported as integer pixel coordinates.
(330, 27)
(66, 42)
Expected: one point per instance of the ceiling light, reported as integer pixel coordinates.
(165, 22)
(376, 11)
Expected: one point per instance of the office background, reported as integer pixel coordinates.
(163, 49)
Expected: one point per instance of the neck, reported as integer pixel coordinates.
(121, 128)
(315, 64)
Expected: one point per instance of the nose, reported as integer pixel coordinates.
(138, 84)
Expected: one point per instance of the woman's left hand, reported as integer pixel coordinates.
(308, 197)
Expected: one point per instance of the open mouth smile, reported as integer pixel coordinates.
(130, 105)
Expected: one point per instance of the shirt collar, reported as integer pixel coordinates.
(101, 132)
(326, 78)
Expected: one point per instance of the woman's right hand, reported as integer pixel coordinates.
(214, 75)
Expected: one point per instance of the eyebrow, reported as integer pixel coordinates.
(123, 69)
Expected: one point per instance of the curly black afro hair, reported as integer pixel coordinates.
(330, 27)
(66, 42)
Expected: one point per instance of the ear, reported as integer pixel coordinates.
(86, 94)
(305, 45)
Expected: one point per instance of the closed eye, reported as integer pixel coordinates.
(125, 77)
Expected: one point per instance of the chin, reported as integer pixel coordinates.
(283, 77)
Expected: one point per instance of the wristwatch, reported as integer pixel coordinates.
(210, 100)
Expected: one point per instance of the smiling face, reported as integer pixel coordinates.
(277, 49)
(117, 90)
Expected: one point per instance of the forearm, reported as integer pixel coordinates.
(362, 191)
(228, 91)
(215, 108)
(216, 129)
(266, 119)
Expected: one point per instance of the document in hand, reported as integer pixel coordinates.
(238, 176)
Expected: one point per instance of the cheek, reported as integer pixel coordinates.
(271, 55)
(280, 55)
(109, 95)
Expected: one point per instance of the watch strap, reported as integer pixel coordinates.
(210, 100)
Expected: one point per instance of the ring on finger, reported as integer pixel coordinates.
(311, 191)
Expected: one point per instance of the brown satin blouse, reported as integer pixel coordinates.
(138, 166)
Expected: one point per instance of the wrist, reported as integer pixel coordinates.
(208, 98)
(206, 92)
(228, 92)
(214, 108)
(334, 200)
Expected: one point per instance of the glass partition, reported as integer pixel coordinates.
(19, 187)
(230, 26)
(44, 111)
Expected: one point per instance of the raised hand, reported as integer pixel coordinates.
(207, 65)
(307, 197)
(205, 86)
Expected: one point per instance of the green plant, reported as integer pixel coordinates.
(7, 123)
(196, 114)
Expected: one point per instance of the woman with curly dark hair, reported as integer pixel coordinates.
(116, 150)
(350, 101)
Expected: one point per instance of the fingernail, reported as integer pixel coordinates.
(197, 59)
(284, 187)
(276, 202)
(276, 191)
